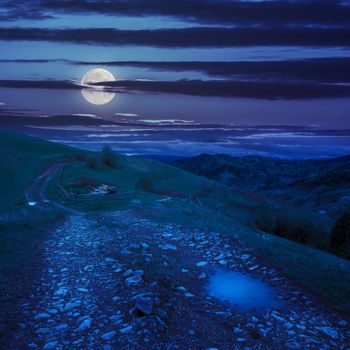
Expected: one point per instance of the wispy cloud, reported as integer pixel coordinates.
(317, 12)
(223, 88)
(127, 115)
(169, 121)
(187, 37)
(330, 69)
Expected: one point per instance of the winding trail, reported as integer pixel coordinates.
(122, 281)
(36, 193)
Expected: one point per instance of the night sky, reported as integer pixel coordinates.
(236, 77)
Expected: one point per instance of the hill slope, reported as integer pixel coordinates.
(317, 184)
(22, 159)
(172, 196)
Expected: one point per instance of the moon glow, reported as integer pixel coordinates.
(96, 94)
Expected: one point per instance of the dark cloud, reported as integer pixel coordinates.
(335, 69)
(38, 84)
(186, 37)
(261, 90)
(332, 69)
(222, 88)
(301, 12)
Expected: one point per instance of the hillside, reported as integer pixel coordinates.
(316, 184)
(22, 159)
(162, 193)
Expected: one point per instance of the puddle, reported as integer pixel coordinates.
(241, 291)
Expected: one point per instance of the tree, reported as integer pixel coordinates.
(108, 158)
(92, 162)
(340, 236)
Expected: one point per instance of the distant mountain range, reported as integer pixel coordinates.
(318, 184)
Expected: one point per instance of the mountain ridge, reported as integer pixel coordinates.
(321, 184)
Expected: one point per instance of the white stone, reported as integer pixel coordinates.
(86, 324)
(109, 335)
(168, 247)
(331, 332)
(126, 330)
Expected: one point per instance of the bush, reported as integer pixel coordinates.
(340, 235)
(108, 157)
(300, 233)
(291, 224)
(145, 185)
(265, 217)
(92, 162)
(81, 157)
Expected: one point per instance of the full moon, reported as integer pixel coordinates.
(95, 94)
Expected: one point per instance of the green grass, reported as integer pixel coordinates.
(198, 202)
(319, 272)
(22, 160)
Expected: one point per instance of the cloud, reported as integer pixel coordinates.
(331, 69)
(47, 84)
(126, 115)
(228, 88)
(168, 121)
(87, 115)
(272, 12)
(222, 88)
(187, 37)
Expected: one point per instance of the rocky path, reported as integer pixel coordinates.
(121, 281)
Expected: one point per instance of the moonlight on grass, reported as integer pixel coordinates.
(96, 94)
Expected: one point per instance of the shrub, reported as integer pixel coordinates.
(145, 185)
(299, 233)
(108, 157)
(81, 157)
(291, 224)
(340, 235)
(281, 227)
(265, 217)
(92, 162)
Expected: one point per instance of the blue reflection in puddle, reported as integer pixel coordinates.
(241, 291)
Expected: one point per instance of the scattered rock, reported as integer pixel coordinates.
(50, 345)
(145, 305)
(109, 335)
(86, 324)
(61, 291)
(168, 247)
(133, 280)
(41, 316)
(219, 257)
(162, 314)
(331, 332)
(126, 330)
(189, 295)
